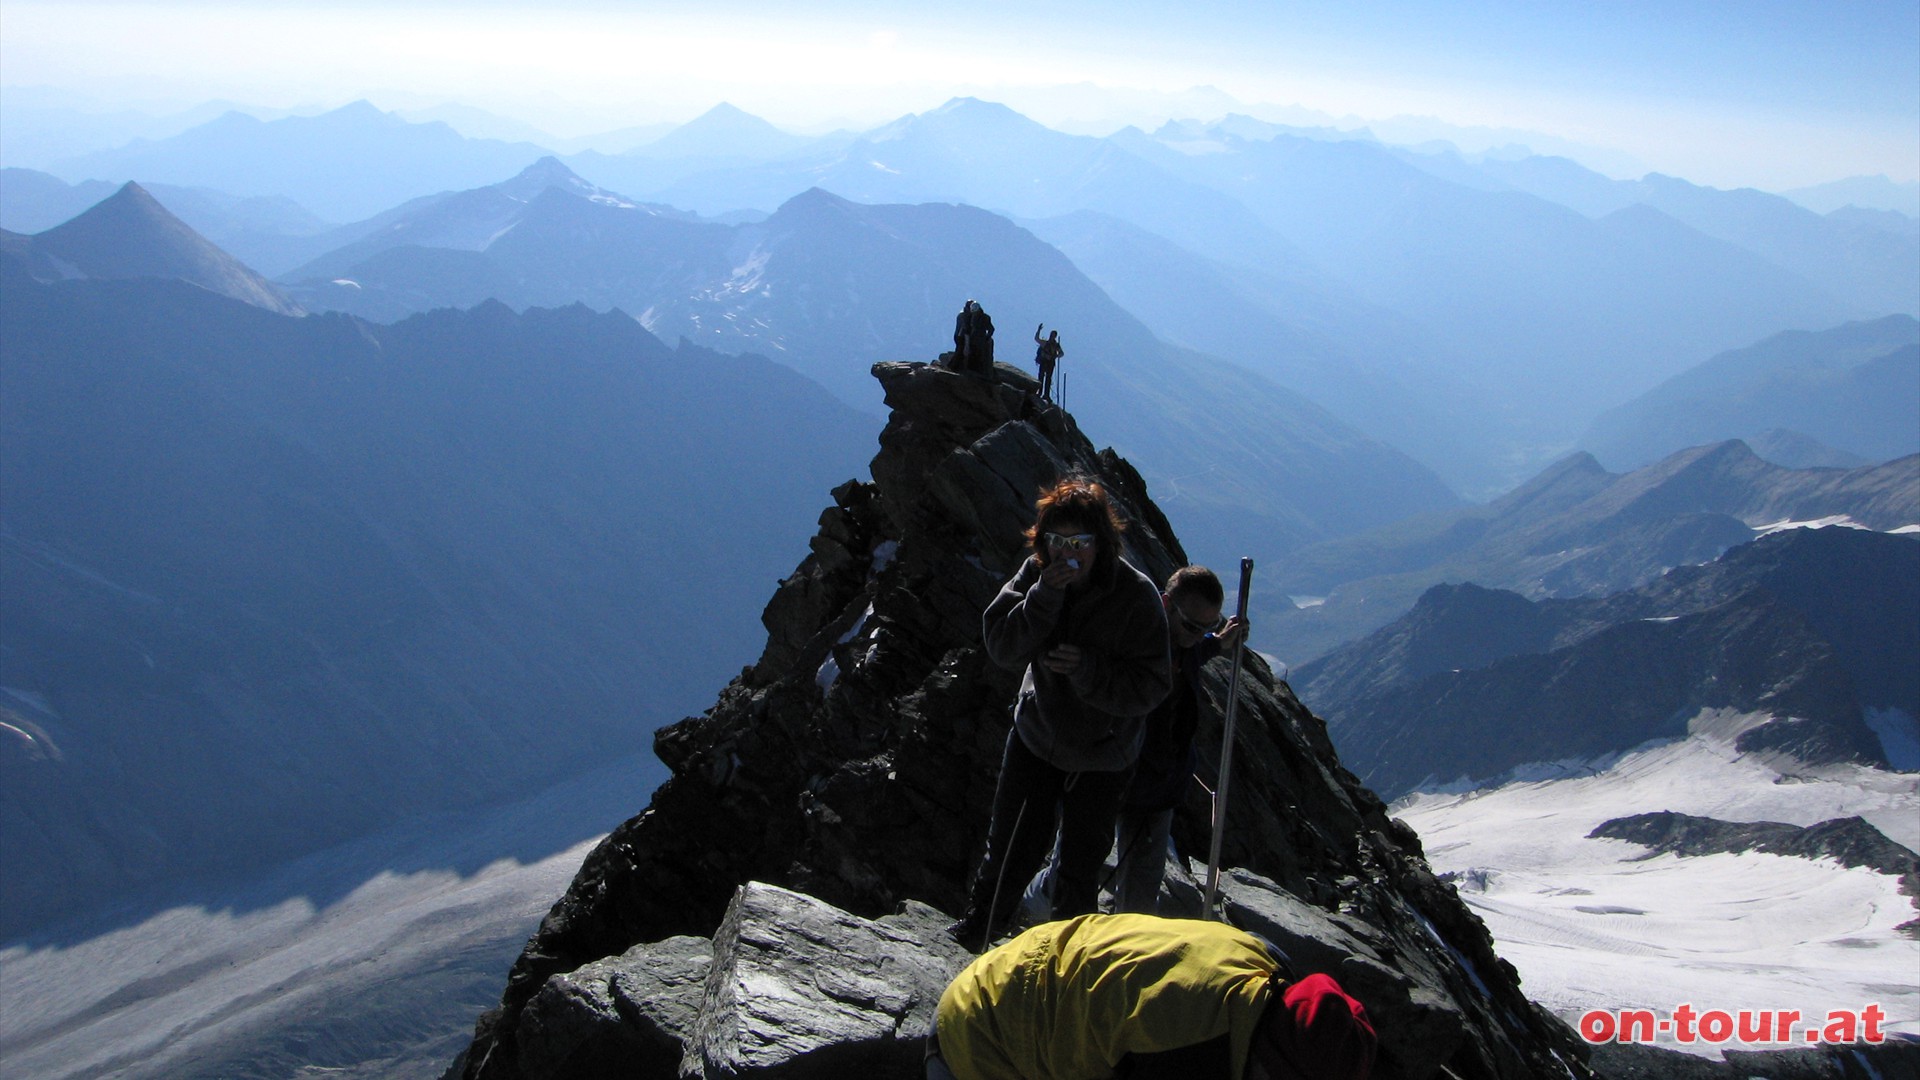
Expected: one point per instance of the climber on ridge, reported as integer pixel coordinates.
(1149, 999)
(1090, 633)
(973, 340)
(1046, 357)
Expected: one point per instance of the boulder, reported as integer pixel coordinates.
(800, 990)
(618, 1017)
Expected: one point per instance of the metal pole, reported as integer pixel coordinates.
(1226, 751)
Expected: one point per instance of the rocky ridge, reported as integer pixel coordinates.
(1849, 841)
(1806, 627)
(837, 792)
(1576, 530)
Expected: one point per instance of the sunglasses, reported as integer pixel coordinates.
(1076, 542)
(1194, 626)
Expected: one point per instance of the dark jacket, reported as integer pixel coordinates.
(1167, 756)
(1092, 720)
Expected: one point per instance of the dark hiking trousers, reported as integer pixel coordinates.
(1033, 802)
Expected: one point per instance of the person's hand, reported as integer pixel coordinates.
(1058, 575)
(1232, 634)
(1062, 659)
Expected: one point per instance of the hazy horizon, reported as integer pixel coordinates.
(1786, 95)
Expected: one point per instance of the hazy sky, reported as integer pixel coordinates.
(1760, 92)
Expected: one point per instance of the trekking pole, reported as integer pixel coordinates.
(1226, 751)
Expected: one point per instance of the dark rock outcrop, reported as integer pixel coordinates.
(1849, 841)
(856, 760)
(789, 986)
(627, 1012)
(800, 988)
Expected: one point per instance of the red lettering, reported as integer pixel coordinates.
(1683, 1022)
(1750, 1026)
(1873, 1014)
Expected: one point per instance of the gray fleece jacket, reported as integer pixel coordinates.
(1093, 719)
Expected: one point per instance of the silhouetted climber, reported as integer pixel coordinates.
(1144, 997)
(1091, 635)
(973, 340)
(1046, 357)
(962, 335)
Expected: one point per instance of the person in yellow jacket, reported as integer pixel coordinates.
(1133, 996)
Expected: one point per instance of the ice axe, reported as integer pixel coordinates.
(1226, 751)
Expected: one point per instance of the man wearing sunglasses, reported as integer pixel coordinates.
(1090, 635)
(1192, 600)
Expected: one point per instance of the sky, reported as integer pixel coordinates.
(1759, 93)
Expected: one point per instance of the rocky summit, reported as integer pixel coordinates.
(775, 910)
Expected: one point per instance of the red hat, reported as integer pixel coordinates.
(1314, 1031)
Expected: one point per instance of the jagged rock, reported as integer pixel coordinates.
(1416, 1021)
(1812, 741)
(617, 1017)
(1850, 841)
(856, 763)
(801, 990)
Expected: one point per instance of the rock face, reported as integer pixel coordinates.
(846, 996)
(856, 760)
(1849, 841)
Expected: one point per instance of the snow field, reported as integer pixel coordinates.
(1596, 924)
(383, 976)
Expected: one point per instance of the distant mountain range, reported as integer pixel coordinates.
(1864, 192)
(1854, 390)
(269, 233)
(272, 582)
(829, 287)
(1574, 530)
(1872, 257)
(1560, 309)
(130, 235)
(1496, 299)
(1379, 370)
(344, 165)
(1805, 628)
(459, 221)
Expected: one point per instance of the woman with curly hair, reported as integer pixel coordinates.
(1090, 634)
